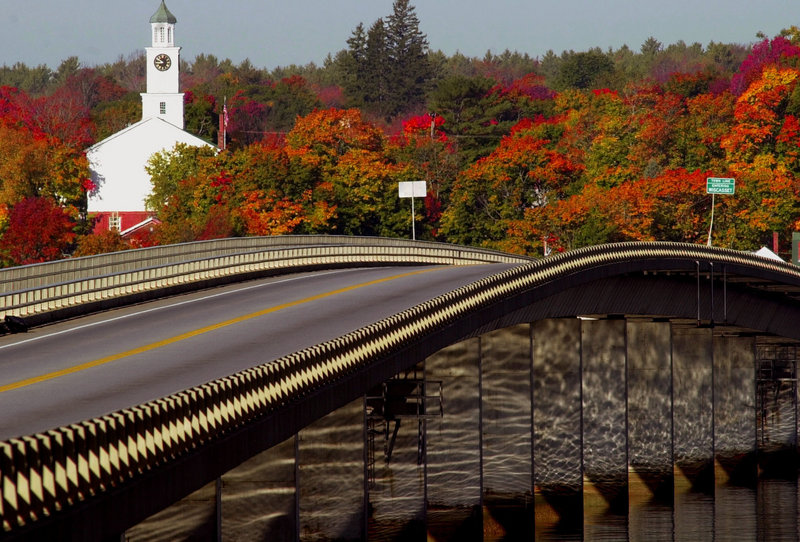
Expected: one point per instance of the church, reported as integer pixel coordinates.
(117, 163)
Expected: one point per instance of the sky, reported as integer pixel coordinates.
(273, 33)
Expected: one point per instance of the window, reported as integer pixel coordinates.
(161, 36)
(162, 107)
(114, 222)
(169, 35)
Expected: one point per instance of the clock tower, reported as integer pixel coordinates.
(163, 98)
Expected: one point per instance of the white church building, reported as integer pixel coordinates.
(118, 162)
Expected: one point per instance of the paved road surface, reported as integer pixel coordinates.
(87, 367)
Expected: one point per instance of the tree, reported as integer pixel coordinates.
(38, 230)
(583, 70)
(386, 69)
(347, 159)
(761, 152)
(112, 116)
(200, 117)
(34, 164)
(269, 214)
(524, 172)
(352, 63)
(428, 154)
(465, 104)
(377, 73)
(409, 69)
(100, 243)
(34, 81)
(766, 53)
(168, 172)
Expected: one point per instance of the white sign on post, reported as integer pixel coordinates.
(413, 189)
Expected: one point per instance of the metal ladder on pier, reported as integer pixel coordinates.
(409, 397)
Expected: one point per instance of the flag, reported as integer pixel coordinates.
(225, 116)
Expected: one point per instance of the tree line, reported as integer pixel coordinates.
(519, 153)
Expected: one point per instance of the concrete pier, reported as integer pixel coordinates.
(396, 495)
(605, 435)
(735, 436)
(693, 431)
(506, 423)
(650, 476)
(557, 430)
(453, 451)
(331, 476)
(259, 499)
(734, 409)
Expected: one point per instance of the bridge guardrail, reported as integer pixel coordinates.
(45, 473)
(44, 288)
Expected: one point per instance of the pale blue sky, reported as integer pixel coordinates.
(278, 33)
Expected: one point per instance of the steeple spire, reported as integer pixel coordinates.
(163, 24)
(163, 15)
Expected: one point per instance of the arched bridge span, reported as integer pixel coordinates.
(111, 472)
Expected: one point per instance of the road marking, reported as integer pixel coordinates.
(169, 306)
(183, 336)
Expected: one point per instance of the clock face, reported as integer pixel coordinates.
(162, 62)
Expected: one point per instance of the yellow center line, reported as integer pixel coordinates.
(189, 334)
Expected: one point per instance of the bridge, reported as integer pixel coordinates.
(602, 394)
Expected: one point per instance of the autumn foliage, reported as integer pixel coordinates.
(518, 154)
(38, 230)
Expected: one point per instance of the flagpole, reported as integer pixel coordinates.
(224, 122)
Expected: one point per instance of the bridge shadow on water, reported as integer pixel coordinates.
(563, 429)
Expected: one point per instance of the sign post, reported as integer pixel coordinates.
(714, 186)
(412, 189)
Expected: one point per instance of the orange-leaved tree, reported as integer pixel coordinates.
(350, 169)
(761, 151)
(526, 171)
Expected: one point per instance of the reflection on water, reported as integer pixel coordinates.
(608, 430)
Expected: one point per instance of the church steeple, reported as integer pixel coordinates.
(163, 24)
(163, 98)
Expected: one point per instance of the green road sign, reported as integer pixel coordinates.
(720, 185)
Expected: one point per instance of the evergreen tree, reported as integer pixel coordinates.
(351, 65)
(386, 70)
(409, 68)
(465, 104)
(377, 76)
(583, 70)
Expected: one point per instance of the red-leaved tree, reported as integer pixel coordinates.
(38, 230)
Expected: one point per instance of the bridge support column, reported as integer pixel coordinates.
(506, 423)
(735, 437)
(195, 514)
(605, 435)
(557, 426)
(776, 404)
(396, 493)
(454, 446)
(649, 427)
(259, 498)
(331, 476)
(693, 442)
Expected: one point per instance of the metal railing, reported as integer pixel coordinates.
(45, 288)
